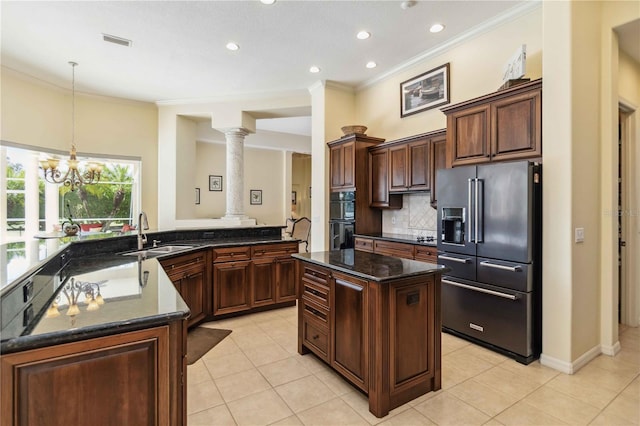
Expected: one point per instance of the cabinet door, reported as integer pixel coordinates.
(468, 133)
(516, 126)
(419, 166)
(114, 380)
(349, 329)
(438, 162)
(391, 248)
(231, 287)
(286, 288)
(342, 161)
(192, 291)
(378, 165)
(263, 279)
(398, 165)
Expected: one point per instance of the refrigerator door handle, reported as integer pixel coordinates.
(504, 268)
(470, 232)
(453, 259)
(479, 207)
(481, 290)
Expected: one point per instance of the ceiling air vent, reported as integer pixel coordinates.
(117, 40)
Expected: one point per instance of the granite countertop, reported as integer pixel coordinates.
(370, 266)
(136, 293)
(400, 238)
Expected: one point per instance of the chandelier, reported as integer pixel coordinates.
(73, 177)
(72, 291)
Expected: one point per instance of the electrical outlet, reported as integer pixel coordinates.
(579, 235)
(393, 220)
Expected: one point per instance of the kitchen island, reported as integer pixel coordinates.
(374, 319)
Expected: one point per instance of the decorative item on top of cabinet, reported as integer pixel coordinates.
(505, 125)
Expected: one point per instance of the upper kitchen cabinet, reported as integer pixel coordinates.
(348, 162)
(505, 125)
(438, 160)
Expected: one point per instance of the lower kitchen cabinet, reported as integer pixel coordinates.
(231, 287)
(189, 275)
(133, 378)
(349, 327)
(253, 277)
(396, 249)
(383, 337)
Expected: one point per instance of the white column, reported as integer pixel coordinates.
(3, 198)
(51, 206)
(235, 172)
(31, 196)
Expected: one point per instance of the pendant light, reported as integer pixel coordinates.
(73, 177)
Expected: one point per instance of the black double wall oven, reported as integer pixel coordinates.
(489, 234)
(342, 216)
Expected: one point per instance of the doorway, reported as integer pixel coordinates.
(628, 291)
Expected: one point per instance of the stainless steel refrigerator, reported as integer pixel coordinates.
(489, 234)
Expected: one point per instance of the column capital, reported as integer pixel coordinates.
(235, 131)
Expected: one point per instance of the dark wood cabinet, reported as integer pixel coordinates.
(349, 329)
(398, 168)
(391, 248)
(419, 252)
(231, 284)
(190, 276)
(419, 165)
(132, 378)
(379, 177)
(505, 125)
(246, 278)
(343, 167)
(438, 161)
(383, 337)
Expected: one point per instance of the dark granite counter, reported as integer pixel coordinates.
(399, 238)
(130, 294)
(42, 278)
(370, 266)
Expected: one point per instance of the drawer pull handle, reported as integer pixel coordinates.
(482, 290)
(504, 268)
(316, 337)
(454, 259)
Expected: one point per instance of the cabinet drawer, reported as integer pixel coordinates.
(179, 265)
(318, 275)
(311, 309)
(315, 337)
(273, 250)
(363, 244)
(317, 292)
(229, 254)
(426, 254)
(393, 249)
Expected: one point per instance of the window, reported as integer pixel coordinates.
(103, 207)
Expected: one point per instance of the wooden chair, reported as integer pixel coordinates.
(289, 228)
(301, 231)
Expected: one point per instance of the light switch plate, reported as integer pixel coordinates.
(579, 235)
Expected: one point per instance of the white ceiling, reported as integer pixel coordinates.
(178, 51)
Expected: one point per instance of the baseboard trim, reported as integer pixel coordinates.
(611, 350)
(571, 367)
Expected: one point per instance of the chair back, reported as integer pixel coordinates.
(289, 228)
(301, 231)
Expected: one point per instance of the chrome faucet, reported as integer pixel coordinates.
(143, 223)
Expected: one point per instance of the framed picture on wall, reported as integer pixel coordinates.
(255, 196)
(425, 91)
(197, 195)
(215, 183)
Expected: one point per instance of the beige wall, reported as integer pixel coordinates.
(475, 70)
(39, 115)
(264, 170)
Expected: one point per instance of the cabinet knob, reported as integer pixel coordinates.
(316, 337)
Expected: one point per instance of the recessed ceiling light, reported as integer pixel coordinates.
(267, 1)
(232, 46)
(314, 69)
(363, 35)
(371, 64)
(436, 28)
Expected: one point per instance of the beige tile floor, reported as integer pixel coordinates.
(256, 377)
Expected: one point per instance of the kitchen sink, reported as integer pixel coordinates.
(157, 251)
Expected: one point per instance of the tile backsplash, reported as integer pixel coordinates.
(416, 217)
